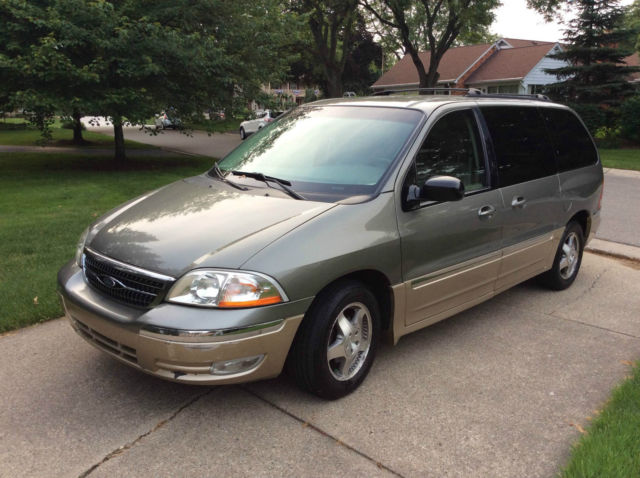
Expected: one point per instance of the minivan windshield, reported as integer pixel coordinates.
(327, 153)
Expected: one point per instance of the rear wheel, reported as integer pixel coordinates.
(566, 263)
(243, 133)
(337, 341)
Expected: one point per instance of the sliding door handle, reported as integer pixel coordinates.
(518, 201)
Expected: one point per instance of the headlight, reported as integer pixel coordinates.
(226, 289)
(80, 246)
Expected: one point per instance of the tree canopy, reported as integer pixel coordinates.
(434, 26)
(596, 72)
(129, 59)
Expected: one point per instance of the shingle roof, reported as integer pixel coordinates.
(510, 63)
(453, 64)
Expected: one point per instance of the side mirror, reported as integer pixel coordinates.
(437, 188)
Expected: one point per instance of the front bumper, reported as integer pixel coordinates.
(150, 340)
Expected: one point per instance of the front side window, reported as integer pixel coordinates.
(520, 142)
(453, 148)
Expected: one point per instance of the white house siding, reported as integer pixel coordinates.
(537, 76)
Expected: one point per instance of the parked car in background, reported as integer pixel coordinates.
(262, 119)
(165, 120)
(345, 222)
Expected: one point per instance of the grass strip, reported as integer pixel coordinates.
(611, 445)
(621, 158)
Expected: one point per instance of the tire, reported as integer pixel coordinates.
(343, 322)
(243, 134)
(566, 263)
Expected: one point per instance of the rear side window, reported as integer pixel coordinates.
(573, 145)
(520, 142)
(453, 148)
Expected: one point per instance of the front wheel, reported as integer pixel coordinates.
(566, 263)
(336, 344)
(243, 133)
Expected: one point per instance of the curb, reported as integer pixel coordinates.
(614, 249)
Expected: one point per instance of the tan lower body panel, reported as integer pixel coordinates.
(439, 295)
(523, 261)
(183, 361)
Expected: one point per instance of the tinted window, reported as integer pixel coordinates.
(520, 142)
(574, 148)
(453, 148)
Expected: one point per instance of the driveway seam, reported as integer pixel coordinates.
(594, 326)
(132, 443)
(323, 433)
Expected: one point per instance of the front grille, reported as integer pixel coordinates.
(105, 343)
(125, 285)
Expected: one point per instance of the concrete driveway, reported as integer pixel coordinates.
(499, 391)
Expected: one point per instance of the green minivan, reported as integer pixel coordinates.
(343, 223)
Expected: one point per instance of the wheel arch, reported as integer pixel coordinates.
(583, 218)
(378, 283)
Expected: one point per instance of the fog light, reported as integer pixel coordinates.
(229, 367)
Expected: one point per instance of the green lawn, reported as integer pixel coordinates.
(46, 201)
(621, 158)
(611, 446)
(217, 126)
(15, 132)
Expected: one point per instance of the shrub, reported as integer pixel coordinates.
(630, 119)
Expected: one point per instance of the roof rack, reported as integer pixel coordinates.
(468, 92)
(418, 90)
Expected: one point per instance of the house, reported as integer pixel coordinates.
(506, 66)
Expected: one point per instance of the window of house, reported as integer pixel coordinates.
(453, 148)
(512, 88)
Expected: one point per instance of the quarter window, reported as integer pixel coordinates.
(571, 141)
(520, 142)
(453, 148)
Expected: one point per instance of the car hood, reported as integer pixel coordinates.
(198, 222)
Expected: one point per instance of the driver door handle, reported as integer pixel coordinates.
(486, 211)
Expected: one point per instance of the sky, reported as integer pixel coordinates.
(515, 20)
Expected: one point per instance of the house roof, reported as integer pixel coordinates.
(454, 63)
(510, 63)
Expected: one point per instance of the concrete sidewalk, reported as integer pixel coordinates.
(498, 391)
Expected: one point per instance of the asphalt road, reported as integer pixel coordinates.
(621, 207)
(498, 391)
(216, 145)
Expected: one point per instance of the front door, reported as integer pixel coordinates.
(450, 250)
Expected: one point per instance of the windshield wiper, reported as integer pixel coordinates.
(220, 174)
(283, 183)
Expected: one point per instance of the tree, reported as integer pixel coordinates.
(429, 25)
(595, 72)
(128, 59)
(332, 25)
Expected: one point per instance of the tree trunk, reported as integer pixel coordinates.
(334, 83)
(77, 128)
(118, 137)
